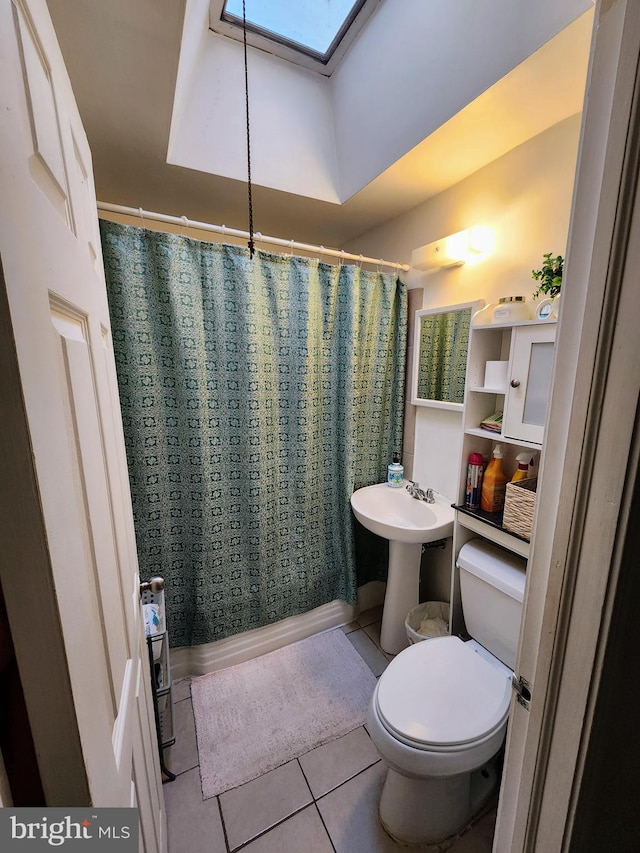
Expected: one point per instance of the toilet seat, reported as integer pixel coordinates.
(441, 696)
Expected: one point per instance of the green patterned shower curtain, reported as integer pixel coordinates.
(256, 396)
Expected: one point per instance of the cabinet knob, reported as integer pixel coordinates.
(515, 383)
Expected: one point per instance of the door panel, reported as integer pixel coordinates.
(47, 160)
(87, 578)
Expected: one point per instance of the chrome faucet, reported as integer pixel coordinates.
(419, 494)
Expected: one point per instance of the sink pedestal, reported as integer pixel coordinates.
(402, 593)
(406, 523)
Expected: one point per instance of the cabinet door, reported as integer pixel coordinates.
(531, 372)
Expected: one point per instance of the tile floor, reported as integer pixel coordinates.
(326, 801)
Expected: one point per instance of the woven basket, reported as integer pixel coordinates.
(519, 505)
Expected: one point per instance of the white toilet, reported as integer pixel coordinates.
(438, 715)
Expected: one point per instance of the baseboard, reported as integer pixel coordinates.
(370, 595)
(191, 661)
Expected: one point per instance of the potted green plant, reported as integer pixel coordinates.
(550, 276)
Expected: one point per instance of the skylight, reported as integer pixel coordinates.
(309, 32)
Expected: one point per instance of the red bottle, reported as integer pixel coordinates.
(475, 470)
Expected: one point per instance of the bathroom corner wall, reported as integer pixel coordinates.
(525, 198)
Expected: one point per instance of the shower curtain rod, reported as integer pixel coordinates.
(244, 235)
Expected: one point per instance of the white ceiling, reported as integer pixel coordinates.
(123, 58)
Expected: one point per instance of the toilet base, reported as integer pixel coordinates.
(427, 811)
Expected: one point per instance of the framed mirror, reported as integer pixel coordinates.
(441, 342)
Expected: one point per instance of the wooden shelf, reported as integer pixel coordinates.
(497, 436)
(489, 526)
(492, 518)
(512, 325)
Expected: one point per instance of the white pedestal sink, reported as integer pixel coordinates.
(407, 523)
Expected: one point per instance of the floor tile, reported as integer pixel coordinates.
(347, 629)
(350, 814)
(193, 823)
(369, 616)
(302, 832)
(373, 632)
(368, 650)
(256, 806)
(330, 765)
(183, 755)
(181, 690)
(478, 839)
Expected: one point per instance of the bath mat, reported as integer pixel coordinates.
(258, 715)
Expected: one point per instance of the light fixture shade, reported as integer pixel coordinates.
(453, 251)
(437, 254)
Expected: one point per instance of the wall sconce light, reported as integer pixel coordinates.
(463, 247)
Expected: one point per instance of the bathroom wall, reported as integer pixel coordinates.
(292, 129)
(391, 93)
(323, 137)
(525, 198)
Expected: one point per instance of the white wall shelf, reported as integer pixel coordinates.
(482, 326)
(498, 437)
(491, 529)
(510, 342)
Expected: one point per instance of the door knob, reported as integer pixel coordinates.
(155, 585)
(515, 383)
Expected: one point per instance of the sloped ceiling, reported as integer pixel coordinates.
(123, 59)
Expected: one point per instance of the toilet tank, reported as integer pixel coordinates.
(492, 589)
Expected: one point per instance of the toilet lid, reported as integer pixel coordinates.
(441, 693)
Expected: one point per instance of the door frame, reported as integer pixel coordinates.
(590, 460)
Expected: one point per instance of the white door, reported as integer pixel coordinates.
(70, 568)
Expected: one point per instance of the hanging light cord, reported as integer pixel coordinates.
(250, 244)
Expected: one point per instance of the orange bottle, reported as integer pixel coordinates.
(494, 484)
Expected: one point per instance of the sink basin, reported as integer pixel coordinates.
(407, 523)
(394, 514)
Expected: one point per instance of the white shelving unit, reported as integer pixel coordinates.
(152, 593)
(528, 349)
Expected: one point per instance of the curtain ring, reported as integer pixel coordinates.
(140, 211)
(360, 263)
(185, 222)
(321, 254)
(223, 230)
(380, 265)
(292, 247)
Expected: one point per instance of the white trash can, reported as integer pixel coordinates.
(427, 620)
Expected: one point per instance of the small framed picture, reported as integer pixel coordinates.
(544, 309)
